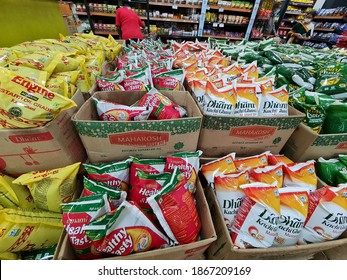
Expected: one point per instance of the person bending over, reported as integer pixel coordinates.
(128, 24)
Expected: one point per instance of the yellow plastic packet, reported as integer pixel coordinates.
(6, 56)
(223, 165)
(275, 159)
(42, 46)
(61, 82)
(301, 174)
(93, 66)
(247, 101)
(25, 230)
(268, 175)
(274, 103)
(265, 84)
(230, 195)
(13, 196)
(67, 63)
(251, 70)
(73, 42)
(26, 104)
(44, 61)
(9, 256)
(37, 76)
(50, 188)
(252, 162)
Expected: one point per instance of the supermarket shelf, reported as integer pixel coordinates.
(227, 24)
(172, 4)
(172, 20)
(285, 28)
(293, 3)
(102, 14)
(177, 36)
(320, 40)
(215, 7)
(262, 18)
(223, 37)
(325, 29)
(294, 13)
(81, 13)
(331, 17)
(105, 33)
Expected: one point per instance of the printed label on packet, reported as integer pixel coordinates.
(247, 101)
(274, 103)
(268, 175)
(300, 174)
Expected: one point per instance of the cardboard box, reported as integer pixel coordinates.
(110, 141)
(305, 144)
(54, 145)
(246, 135)
(191, 251)
(223, 248)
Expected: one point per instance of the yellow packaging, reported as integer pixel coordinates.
(52, 187)
(301, 174)
(6, 56)
(269, 175)
(223, 165)
(247, 101)
(9, 256)
(63, 81)
(93, 66)
(13, 196)
(274, 103)
(25, 104)
(41, 46)
(37, 76)
(67, 63)
(251, 70)
(25, 230)
(73, 42)
(252, 162)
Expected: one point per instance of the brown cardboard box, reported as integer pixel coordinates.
(305, 144)
(223, 248)
(246, 136)
(54, 145)
(194, 250)
(107, 141)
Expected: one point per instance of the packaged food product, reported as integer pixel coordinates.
(136, 82)
(76, 215)
(171, 80)
(124, 231)
(199, 89)
(274, 159)
(332, 78)
(328, 170)
(301, 174)
(114, 174)
(252, 161)
(247, 101)
(176, 211)
(294, 208)
(37, 76)
(274, 103)
(336, 119)
(251, 70)
(223, 165)
(326, 219)
(6, 56)
(256, 222)
(268, 174)
(50, 188)
(230, 195)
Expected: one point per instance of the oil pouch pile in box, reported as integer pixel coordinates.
(332, 78)
(188, 163)
(294, 208)
(116, 197)
(230, 195)
(301, 174)
(114, 174)
(256, 222)
(336, 119)
(224, 165)
(176, 211)
(171, 80)
(110, 111)
(274, 159)
(252, 161)
(124, 231)
(13, 196)
(326, 219)
(25, 104)
(25, 230)
(328, 170)
(162, 107)
(76, 215)
(50, 188)
(268, 175)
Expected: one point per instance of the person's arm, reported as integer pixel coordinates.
(142, 24)
(294, 32)
(118, 24)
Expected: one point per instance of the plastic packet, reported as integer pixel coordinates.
(171, 80)
(300, 175)
(268, 175)
(327, 170)
(252, 161)
(274, 103)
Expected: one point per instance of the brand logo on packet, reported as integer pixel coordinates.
(27, 138)
(140, 138)
(342, 146)
(253, 132)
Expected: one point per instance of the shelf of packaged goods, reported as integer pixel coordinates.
(177, 36)
(295, 13)
(81, 13)
(299, 4)
(227, 24)
(262, 18)
(285, 28)
(324, 29)
(106, 33)
(331, 17)
(320, 40)
(173, 20)
(215, 7)
(173, 4)
(102, 14)
(223, 37)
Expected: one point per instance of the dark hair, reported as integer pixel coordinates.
(276, 5)
(312, 13)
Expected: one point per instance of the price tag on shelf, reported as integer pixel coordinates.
(207, 7)
(221, 10)
(215, 24)
(221, 25)
(174, 7)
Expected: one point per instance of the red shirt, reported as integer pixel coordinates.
(130, 23)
